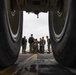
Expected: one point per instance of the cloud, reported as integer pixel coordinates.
(37, 26)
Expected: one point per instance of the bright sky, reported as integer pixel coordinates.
(36, 26)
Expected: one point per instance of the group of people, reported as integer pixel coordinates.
(35, 46)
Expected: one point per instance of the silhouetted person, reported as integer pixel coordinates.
(43, 44)
(31, 42)
(48, 43)
(24, 44)
(40, 45)
(35, 47)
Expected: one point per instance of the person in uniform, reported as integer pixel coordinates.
(43, 44)
(35, 46)
(31, 42)
(40, 45)
(24, 44)
(48, 43)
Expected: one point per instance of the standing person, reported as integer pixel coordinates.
(35, 46)
(24, 44)
(43, 44)
(40, 45)
(48, 43)
(31, 42)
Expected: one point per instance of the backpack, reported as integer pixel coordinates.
(49, 42)
(31, 40)
(23, 41)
